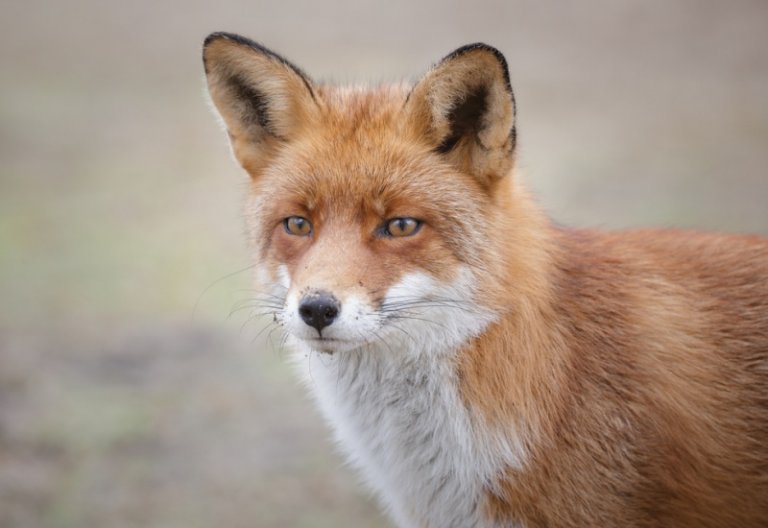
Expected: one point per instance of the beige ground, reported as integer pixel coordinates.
(123, 406)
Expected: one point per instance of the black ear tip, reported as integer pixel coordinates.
(253, 46)
(216, 35)
(471, 47)
(499, 56)
(239, 40)
(211, 37)
(232, 37)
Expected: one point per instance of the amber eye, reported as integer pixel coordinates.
(297, 225)
(402, 227)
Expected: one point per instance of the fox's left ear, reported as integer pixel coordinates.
(465, 109)
(264, 100)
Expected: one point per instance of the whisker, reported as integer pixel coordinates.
(256, 316)
(378, 336)
(269, 308)
(275, 350)
(404, 332)
(408, 317)
(214, 283)
(263, 300)
(428, 303)
(411, 297)
(274, 285)
(283, 341)
(260, 293)
(269, 323)
(309, 367)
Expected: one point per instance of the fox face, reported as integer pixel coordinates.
(372, 212)
(359, 260)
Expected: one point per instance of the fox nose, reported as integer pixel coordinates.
(319, 309)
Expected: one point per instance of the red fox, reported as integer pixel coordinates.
(482, 366)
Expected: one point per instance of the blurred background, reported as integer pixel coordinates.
(130, 395)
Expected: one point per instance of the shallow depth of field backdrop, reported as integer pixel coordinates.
(123, 405)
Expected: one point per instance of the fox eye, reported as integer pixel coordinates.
(297, 225)
(402, 227)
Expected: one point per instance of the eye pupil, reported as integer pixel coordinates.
(297, 225)
(402, 227)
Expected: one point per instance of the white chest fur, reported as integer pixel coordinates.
(400, 419)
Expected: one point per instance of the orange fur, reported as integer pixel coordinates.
(634, 365)
(643, 376)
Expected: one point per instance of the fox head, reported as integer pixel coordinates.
(377, 215)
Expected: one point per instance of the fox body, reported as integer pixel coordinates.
(480, 365)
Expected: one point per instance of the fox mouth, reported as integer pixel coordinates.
(326, 345)
(324, 340)
(332, 345)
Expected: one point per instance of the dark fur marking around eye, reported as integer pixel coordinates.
(465, 118)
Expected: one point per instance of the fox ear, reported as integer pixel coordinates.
(263, 99)
(465, 109)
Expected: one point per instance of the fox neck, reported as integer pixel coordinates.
(399, 416)
(421, 436)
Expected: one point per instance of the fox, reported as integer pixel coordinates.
(480, 364)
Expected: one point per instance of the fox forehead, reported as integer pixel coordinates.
(359, 163)
(362, 112)
(361, 153)
(342, 180)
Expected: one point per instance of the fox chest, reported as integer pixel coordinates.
(401, 421)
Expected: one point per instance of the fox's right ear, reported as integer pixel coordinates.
(263, 99)
(465, 110)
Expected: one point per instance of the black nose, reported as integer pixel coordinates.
(319, 309)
